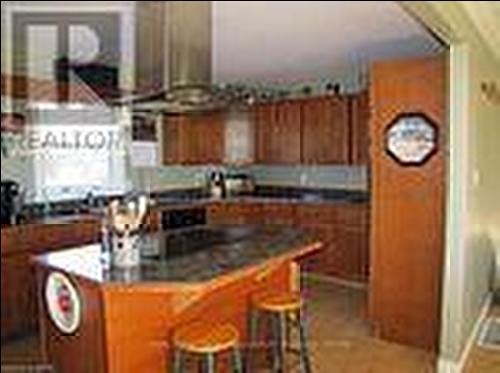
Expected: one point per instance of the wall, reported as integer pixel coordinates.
(341, 177)
(473, 226)
(177, 177)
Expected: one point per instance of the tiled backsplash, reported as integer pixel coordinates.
(325, 177)
(170, 177)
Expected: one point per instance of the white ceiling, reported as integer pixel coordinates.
(292, 41)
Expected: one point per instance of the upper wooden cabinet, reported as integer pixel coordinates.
(194, 139)
(316, 131)
(325, 130)
(278, 132)
(359, 114)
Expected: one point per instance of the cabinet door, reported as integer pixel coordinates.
(264, 117)
(343, 229)
(286, 137)
(359, 111)
(278, 132)
(209, 132)
(19, 307)
(193, 139)
(325, 131)
(173, 128)
(350, 260)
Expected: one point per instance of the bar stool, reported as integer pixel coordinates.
(207, 340)
(283, 310)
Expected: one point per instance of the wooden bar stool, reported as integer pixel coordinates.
(207, 341)
(283, 309)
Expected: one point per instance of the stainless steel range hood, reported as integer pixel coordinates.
(189, 49)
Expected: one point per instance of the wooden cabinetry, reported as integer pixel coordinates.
(343, 229)
(314, 131)
(359, 137)
(18, 281)
(193, 139)
(278, 132)
(19, 309)
(325, 130)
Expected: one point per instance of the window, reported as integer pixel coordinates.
(77, 150)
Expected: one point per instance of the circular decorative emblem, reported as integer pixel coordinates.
(63, 303)
(411, 139)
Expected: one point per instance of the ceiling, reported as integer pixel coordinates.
(293, 41)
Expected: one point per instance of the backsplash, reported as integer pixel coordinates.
(170, 177)
(324, 177)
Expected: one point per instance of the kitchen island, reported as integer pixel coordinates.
(113, 320)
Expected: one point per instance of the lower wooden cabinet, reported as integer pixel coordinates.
(18, 281)
(19, 308)
(343, 228)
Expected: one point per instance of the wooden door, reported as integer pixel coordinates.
(325, 130)
(408, 204)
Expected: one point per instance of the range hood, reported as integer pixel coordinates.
(189, 59)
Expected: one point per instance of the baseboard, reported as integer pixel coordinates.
(336, 280)
(448, 366)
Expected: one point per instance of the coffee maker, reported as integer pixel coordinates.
(10, 193)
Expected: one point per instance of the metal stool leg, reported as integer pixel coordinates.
(283, 339)
(211, 364)
(237, 361)
(254, 338)
(278, 340)
(178, 361)
(304, 349)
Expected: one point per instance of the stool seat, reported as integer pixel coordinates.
(278, 302)
(282, 309)
(206, 338)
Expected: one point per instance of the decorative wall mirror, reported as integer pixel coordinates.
(411, 139)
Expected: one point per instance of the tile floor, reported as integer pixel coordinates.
(340, 339)
(485, 360)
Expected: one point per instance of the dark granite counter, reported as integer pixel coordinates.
(67, 212)
(189, 256)
(269, 195)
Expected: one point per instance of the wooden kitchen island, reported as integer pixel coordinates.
(125, 319)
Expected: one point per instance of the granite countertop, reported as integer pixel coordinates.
(198, 197)
(271, 196)
(188, 256)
